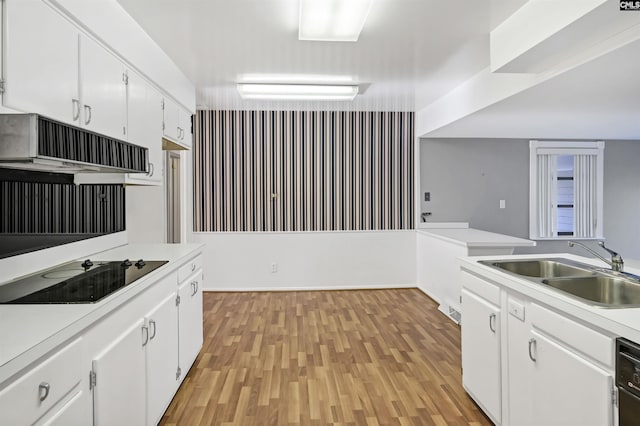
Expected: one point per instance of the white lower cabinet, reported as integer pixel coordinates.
(481, 353)
(119, 386)
(553, 369)
(72, 412)
(45, 394)
(121, 369)
(162, 357)
(190, 320)
(567, 389)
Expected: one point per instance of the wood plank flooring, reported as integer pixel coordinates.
(371, 357)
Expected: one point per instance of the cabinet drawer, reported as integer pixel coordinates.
(23, 401)
(189, 268)
(480, 287)
(574, 335)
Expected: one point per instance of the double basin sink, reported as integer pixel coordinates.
(590, 284)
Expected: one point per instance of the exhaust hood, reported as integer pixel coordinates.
(33, 142)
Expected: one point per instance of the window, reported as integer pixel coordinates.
(565, 190)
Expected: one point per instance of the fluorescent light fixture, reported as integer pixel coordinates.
(332, 20)
(296, 79)
(298, 92)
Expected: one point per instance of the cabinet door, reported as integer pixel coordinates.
(567, 389)
(481, 353)
(184, 128)
(144, 118)
(103, 90)
(190, 320)
(40, 61)
(119, 392)
(171, 121)
(162, 357)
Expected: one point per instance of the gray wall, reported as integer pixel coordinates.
(467, 178)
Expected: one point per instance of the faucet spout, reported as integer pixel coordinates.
(616, 262)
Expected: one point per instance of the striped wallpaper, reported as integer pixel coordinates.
(303, 171)
(60, 208)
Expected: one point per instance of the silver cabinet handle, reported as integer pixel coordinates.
(195, 287)
(87, 110)
(152, 322)
(43, 391)
(146, 335)
(193, 267)
(151, 169)
(532, 345)
(492, 319)
(76, 108)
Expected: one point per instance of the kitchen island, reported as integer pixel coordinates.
(438, 248)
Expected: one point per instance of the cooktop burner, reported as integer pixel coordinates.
(76, 282)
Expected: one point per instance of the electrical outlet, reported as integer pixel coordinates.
(503, 204)
(427, 196)
(274, 267)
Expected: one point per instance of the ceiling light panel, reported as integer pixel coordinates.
(297, 91)
(332, 20)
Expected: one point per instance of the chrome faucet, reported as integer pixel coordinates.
(616, 262)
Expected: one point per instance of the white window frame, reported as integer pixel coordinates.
(573, 148)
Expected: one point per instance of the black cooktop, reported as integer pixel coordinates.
(76, 282)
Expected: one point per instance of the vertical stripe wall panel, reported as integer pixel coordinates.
(55, 208)
(275, 171)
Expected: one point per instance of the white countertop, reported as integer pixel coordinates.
(622, 322)
(470, 237)
(29, 331)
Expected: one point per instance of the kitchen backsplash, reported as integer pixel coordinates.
(48, 204)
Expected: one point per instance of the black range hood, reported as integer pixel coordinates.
(33, 142)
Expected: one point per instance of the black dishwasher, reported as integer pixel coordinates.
(628, 381)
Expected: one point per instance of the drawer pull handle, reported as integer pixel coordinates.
(146, 335)
(532, 345)
(152, 322)
(43, 390)
(87, 111)
(492, 319)
(76, 109)
(193, 267)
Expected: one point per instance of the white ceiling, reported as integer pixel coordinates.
(598, 100)
(406, 47)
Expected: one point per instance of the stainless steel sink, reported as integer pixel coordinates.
(596, 286)
(543, 268)
(600, 289)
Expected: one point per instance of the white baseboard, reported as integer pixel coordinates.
(229, 288)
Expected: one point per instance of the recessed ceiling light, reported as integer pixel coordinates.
(298, 92)
(332, 20)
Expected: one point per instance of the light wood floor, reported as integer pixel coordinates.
(374, 357)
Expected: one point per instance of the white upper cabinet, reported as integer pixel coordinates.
(144, 118)
(40, 61)
(176, 125)
(102, 90)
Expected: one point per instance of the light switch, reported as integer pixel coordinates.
(503, 204)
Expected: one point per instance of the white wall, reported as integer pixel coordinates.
(145, 210)
(308, 260)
